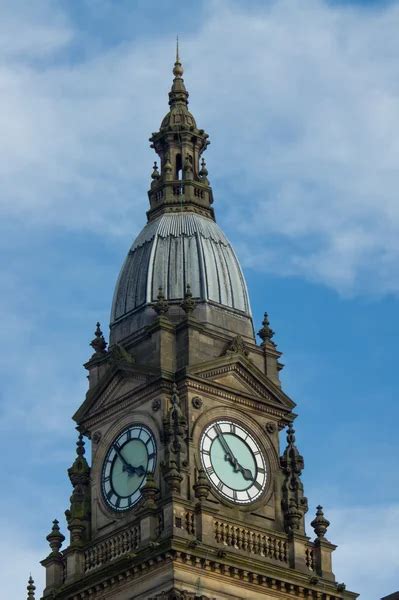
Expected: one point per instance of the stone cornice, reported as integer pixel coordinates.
(210, 562)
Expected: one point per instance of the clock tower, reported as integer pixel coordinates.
(187, 493)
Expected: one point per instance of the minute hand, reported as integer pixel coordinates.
(246, 473)
(127, 467)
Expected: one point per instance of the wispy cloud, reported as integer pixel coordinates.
(367, 558)
(301, 104)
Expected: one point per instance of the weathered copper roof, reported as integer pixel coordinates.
(175, 250)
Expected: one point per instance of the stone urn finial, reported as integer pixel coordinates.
(320, 524)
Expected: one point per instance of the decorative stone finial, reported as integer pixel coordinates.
(178, 68)
(204, 171)
(294, 502)
(80, 446)
(98, 343)
(150, 492)
(55, 538)
(31, 588)
(201, 486)
(161, 306)
(188, 303)
(155, 173)
(320, 524)
(266, 332)
(78, 515)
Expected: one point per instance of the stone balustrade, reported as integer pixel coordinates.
(251, 541)
(111, 548)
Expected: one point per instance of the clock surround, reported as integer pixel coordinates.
(234, 461)
(130, 458)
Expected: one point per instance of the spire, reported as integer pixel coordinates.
(178, 94)
(78, 515)
(180, 183)
(31, 589)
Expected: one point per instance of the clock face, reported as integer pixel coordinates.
(233, 461)
(130, 458)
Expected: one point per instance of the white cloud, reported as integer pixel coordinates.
(367, 558)
(301, 104)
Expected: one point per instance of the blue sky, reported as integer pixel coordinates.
(301, 104)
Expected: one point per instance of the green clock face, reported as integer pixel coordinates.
(233, 461)
(131, 456)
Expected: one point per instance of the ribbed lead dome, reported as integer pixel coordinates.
(175, 250)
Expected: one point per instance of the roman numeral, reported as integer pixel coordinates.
(129, 434)
(220, 485)
(260, 470)
(257, 485)
(232, 428)
(210, 470)
(150, 456)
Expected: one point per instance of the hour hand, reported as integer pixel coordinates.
(140, 470)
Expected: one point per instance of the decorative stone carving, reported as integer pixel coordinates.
(270, 427)
(96, 437)
(236, 346)
(175, 434)
(266, 332)
(55, 539)
(161, 306)
(294, 503)
(79, 514)
(201, 486)
(188, 303)
(320, 524)
(156, 404)
(174, 594)
(197, 402)
(118, 354)
(98, 343)
(31, 589)
(155, 175)
(150, 492)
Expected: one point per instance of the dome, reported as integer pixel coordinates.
(178, 117)
(172, 251)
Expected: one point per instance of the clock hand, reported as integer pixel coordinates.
(246, 473)
(140, 470)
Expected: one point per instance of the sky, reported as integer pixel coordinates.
(301, 104)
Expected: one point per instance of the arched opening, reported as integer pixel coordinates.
(179, 166)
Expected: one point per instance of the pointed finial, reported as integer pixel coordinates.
(155, 172)
(55, 538)
(266, 332)
(188, 303)
(320, 524)
(178, 68)
(161, 306)
(31, 588)
(204, 171)
(98, 343)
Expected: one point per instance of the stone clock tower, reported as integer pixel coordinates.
(187, 494)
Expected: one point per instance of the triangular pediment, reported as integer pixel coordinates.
(116, 384)
(238, 374)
